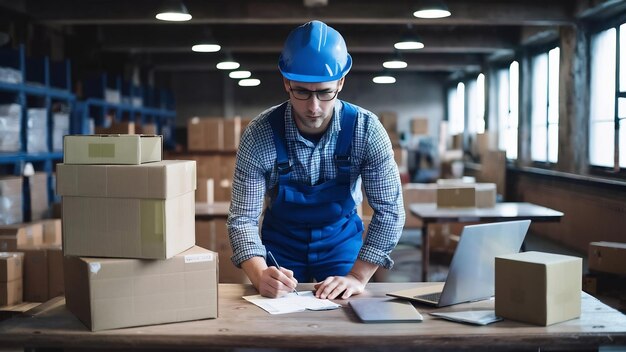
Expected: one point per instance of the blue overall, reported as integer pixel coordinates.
(313, 230)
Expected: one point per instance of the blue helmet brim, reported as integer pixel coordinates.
(317, 79)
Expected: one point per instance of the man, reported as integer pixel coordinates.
(308, 156)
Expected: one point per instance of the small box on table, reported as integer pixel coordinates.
(538, 288)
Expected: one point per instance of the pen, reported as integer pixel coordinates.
(278, 266)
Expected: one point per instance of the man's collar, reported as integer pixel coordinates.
(291, 129)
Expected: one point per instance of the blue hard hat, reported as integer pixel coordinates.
(314, 52)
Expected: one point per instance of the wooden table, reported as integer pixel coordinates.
(243, 325)
(209, 211)
(430, 213)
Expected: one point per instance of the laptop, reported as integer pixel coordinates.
(385, 310)
(472, 272)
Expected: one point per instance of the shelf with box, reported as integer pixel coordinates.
(35, 113)
(112, 106)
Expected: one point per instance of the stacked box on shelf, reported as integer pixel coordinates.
(10, 127)
(39, 204)
(36, 137)
(11, 200)
(11, 268)
(17, 236)
(133, 214)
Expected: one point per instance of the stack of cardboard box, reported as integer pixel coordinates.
(11, 267)
(128, 234)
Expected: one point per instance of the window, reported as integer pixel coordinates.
(545, 107)
(508, 109)
(476, 105)
(456, 109)
(607, 120)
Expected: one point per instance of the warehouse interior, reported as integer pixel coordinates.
(524, 96)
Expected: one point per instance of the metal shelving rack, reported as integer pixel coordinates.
(43, 84)
(157, 106)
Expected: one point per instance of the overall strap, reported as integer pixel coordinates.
(344, 141)
(277, 121)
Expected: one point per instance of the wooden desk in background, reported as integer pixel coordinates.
(430, 213)
(209, 211)
(243, 325)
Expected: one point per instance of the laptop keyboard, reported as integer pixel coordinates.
(433, 297)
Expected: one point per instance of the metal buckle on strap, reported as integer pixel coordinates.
(283, 168)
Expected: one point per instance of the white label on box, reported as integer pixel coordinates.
(94, 267)
(197, 258)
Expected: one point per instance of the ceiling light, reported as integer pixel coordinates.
(395, 64)
(227, 65)
(239, 74)
(249, 82)
(409, 41)
(434, 9)
(174, 11)
(206, 48)
(384, 79)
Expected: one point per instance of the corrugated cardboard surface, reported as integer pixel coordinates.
(11, 266)
(538, 288)
(128, 228)
(11, 292)
(456, 197)
(607, 257)
(112, 149)
(52, 232)
(117, 293)
(158, 180)
(213, 235)
(39, 204)
(17, 236)
(419, 126)
(35, 275)
(56, 285)
(232, 134)
(205, 134)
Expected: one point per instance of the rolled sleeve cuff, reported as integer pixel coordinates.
(375, 256)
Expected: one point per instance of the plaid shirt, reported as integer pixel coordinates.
(372, 163)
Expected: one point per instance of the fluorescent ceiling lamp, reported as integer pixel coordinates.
(206, 48)
(227, 65)
(396, 63)
(239, 74)
(384, 79)
(173, 11)
(408, 44)
(434, 9)
(249, 82)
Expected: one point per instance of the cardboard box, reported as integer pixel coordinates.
(232, 134)
(11, 266)
(417, 193)
(456, 197)
(205, 134)
(389, 120)
(52, 232)
(205, 191)
(17, 236)
(56, 281)
(123, 127)
(213, 235)
(538, 288)
(112, 149)
(43, 273)
(460, 195)
(117, 293)
(142, 211)
(35, 274)
(607, 257)
(11, 292)
(419, 126)
(39, 205)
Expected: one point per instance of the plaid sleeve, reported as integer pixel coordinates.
(381, 182)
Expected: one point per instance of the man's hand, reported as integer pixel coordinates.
(334, 286)
(275, 283)
(351, 284)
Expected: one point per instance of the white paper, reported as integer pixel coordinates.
(291, 303)
(478, 317)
